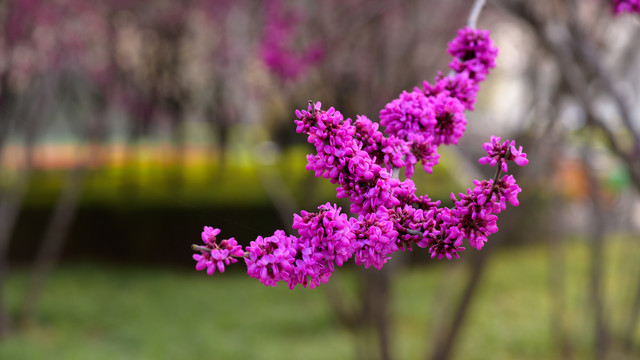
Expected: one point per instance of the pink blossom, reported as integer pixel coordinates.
(216, 255)
(473, 53)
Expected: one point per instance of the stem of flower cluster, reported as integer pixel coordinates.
(499, 170)
(195, 247)
(395, 172)
(472, 20)
(475, 13)
(498, 173)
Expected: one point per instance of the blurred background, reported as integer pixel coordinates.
(128, 125)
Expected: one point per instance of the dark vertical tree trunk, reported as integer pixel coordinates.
(377, 283)
(52, 244)
(597, 259)
(557, 287)
(11, 199)
(630, 328)
(55, 233)
(10, 205)
(444, 347)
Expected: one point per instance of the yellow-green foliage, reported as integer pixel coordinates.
(240, 181)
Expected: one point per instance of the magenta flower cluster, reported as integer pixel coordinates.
(473, 53)
(364, 159)
(501, 152)
(217, 255)
(629, 6)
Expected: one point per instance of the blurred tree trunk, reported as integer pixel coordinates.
(368, 317)
(630, 328)
(443, 348)
(597, 257)
(555, 234)
(52, 243)
(10, 205)
(11, 198)
(377, 302)
(60, 221)
(557, 286)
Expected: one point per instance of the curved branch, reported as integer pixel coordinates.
(475, 13)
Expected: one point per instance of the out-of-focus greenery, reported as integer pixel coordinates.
(145, 181)
(94, 312)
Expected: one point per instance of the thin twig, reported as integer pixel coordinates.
(475, 13)
(195, 247)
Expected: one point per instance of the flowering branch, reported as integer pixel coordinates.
(364, 159)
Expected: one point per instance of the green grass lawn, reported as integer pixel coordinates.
(99, 312)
